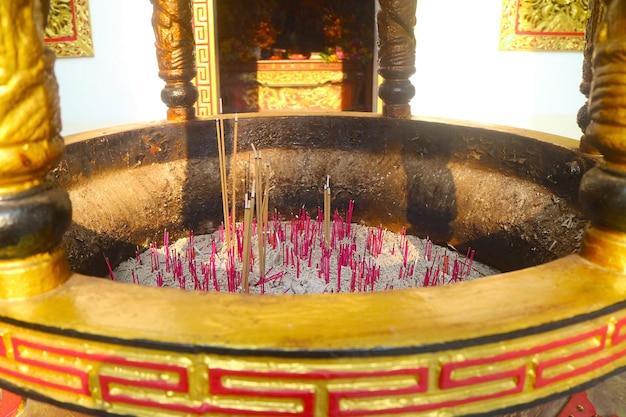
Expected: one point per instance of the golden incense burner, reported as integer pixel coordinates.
(503, 343)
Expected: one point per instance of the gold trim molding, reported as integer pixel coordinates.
(131, 363)
(543, 25)
(206, 58)
(68, 32)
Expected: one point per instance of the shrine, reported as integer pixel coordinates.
(296, 55)
(544, 337)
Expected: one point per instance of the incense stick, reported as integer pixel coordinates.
(247, 226)
(260, 223)
(219, 126)
(264, 218)
(230, 229)
(233, 158)
(327, 213)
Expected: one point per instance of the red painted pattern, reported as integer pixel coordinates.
(3, 348)
(600, 334)
(618, 337)
(82, 375)
(305, 399)
(319, 381)
(305, 391)
(106, 382)
(517, 375)
(181, 386)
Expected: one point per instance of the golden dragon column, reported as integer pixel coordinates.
(603, 188)
(176, 56)
(34, 210)
(582, 118)
(396, 55)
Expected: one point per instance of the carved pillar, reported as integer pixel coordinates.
(603, 189)
(595, 6)
(34, 210)
(396, 55)
(172, 24)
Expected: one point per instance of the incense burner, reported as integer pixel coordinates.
(510, 195)
(553, 325)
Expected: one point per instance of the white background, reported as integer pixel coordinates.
(460, 72)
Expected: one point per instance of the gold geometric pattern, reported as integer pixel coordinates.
(144, 378)
(206, 58)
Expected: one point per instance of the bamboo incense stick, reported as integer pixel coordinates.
(219, 127)
(247, 232)
(264, 218)
(260, 224)
(327, 212)
(229, 224)
(233, 158)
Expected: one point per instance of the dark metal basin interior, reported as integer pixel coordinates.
(511, 197)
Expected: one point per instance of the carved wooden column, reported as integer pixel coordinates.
(34, 210)
(603, 189)
(583, 119)
(172, 24)
(396, 55)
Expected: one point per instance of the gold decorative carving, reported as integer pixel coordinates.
(549, 25)
(294, 78)
(68, 32)
(607, 128)
(552, 16)
(582, 118)
(29, 125)
(602, 188)
(396, 55)
(326, 97)
(175, 44)
(30, 261)
(206, 57)
(293, 86)
(171, 21)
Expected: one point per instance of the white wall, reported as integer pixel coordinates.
(120, 84)
(460, 72)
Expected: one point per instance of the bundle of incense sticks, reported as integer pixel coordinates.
(258, 204)
(261, 189)
(256, 208)
(258, 199)
(229, 217)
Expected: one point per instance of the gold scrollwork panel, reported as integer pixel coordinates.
(547, 25)
(68, 32)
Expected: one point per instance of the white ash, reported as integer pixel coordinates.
(193, 269)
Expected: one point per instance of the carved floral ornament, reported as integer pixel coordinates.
(546, 25)
(68, 32)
